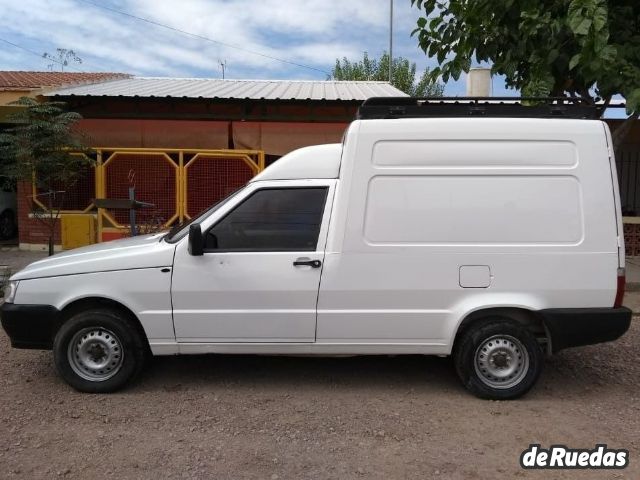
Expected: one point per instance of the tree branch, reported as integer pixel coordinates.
(605, 105)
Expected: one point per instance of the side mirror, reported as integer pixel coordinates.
(196, 241)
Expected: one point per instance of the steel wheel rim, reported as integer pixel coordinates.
(501, 362)
(95, 354)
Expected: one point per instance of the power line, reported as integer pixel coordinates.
(202, 37)
(39, 55)
(49, 58)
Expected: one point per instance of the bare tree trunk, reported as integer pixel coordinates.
(51, 223)
(49, 215)
(605, 104)
(55, 208)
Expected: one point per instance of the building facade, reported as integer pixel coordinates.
(183, 144)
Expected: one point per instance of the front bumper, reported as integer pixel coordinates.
(574, 327)
(30, 326)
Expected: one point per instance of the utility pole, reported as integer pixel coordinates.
(390, 40)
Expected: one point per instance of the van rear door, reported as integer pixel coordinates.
(616, 195)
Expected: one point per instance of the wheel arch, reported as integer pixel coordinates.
(530, 319)
(86, 303)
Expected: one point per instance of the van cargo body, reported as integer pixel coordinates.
(494, 240)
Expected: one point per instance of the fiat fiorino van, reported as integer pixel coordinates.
(493, 238)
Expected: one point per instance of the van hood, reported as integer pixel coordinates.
(146, 251)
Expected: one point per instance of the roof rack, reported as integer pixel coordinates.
(505, 107)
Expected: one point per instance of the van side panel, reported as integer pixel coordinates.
(442, 205)
(528, 200)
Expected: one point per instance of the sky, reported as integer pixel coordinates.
(267, 39)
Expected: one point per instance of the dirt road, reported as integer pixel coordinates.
(277, 417)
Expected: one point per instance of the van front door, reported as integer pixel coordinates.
(258, 279)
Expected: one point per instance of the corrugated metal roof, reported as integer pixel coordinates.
(234, 89)
(20, 80)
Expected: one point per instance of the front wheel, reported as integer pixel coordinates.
(98, 351)
(498, 360)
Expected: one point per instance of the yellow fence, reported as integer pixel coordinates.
(179, 182)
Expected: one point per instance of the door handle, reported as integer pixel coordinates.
(306, 262)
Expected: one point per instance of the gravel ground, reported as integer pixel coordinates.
(280, 418)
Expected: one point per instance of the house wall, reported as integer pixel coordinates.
(33, 234)
(628, 166)
(8, 96)
(152, 133)
(274, 138)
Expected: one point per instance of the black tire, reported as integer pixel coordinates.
(102, 334)
(521, 358)
(8, 226)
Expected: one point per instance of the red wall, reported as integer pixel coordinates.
(31, 230)
(155, 133)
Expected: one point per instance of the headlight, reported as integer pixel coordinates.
(10, 292)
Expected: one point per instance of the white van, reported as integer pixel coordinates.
(494, 240)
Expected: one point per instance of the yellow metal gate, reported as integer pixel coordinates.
(178, 182)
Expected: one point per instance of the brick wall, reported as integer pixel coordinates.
(32, 233)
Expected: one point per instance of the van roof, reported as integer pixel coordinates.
(319, 161)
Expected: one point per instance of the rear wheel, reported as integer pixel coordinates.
(98, 351)
(498, 359)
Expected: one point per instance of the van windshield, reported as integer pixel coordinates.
(180, 230)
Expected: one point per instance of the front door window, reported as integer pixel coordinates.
(271, 220)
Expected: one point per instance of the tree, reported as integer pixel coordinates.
(44, 148)
(62, 58)
(579, 48)
(403, 74)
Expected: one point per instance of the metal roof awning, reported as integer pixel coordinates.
(210, 88)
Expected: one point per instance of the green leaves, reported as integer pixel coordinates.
(42, 141)
(403, 74)
(580, 26)
(542, 47)
(633, 101)
(582, 15)
(575, 60)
